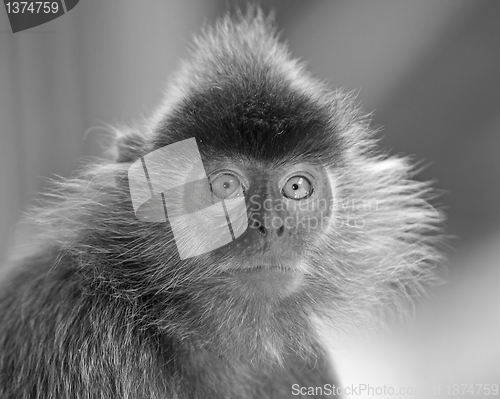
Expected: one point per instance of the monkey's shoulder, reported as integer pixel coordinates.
(58, 338)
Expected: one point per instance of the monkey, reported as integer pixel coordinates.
(333, 231)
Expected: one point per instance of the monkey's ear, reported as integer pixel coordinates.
(128, 144)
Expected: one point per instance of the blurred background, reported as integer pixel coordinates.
(429, 70)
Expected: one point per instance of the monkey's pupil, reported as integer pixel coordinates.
(226, 185)
(295, 186)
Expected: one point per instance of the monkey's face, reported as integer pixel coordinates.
(274, 148)
(288, 209)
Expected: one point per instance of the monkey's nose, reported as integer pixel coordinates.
(259, 227)
(263, 231)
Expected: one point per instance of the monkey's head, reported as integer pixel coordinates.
(333, 228)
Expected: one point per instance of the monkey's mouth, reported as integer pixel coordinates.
(269, 280)
(267, 268)
(270, 262)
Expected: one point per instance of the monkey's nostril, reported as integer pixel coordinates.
(259, 227)
(280, 231)
(262, 230)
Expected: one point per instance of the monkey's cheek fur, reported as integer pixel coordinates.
(271, 283)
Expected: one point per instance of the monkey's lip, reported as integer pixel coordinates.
(270, 262)
(271, 267)
(266, 268)
(268, 280)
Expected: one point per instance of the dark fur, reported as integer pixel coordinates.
(106, 310)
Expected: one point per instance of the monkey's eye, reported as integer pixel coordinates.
(224, 185)
(297, 188)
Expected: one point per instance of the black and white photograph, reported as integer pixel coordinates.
(267, 199)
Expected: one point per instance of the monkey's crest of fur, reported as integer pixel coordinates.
(379, 251)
